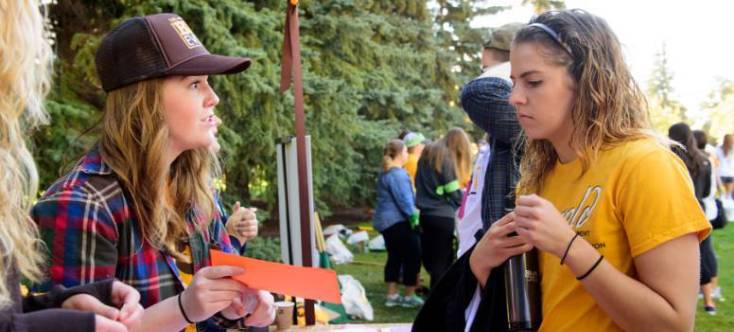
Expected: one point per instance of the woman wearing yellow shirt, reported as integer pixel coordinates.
(415, 142)
(609, 207)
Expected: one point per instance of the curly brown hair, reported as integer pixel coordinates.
(609, 107)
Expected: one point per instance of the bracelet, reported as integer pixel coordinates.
(183, 313)
(565, 253)
(601, 257)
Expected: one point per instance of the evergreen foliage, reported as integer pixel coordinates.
(717, 107)
(665, 110)
(371, 68)
(540, 6)
(454, 32)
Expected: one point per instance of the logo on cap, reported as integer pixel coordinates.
(183, 31)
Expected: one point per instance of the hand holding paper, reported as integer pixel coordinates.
(211, 291)
(310, 283)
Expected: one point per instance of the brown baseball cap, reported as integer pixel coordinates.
(155, 46)
(501, 37)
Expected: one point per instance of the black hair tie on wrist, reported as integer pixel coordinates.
(183, 313)
(601, 257)
(568, 248)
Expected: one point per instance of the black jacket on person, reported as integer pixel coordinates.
(427, 180)
(444, 309)
(42, 313)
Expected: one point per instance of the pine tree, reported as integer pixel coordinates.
(718, 110)
(454, 32)
(370, 69)
(664, 109)
(540, 6)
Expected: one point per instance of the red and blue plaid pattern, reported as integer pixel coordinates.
(88, 225)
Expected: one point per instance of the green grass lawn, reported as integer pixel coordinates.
(724, 320)
(368, 269)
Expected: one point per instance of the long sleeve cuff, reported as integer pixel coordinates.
(221, 321)
(58, 320)
(240, 248)
(102, 290)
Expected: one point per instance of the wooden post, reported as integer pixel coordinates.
(291, 70)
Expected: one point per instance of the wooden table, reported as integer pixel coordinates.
(402, 327)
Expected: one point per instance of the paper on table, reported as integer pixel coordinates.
(306, 282)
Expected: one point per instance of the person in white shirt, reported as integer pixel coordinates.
(725, 153)
(485, 100)
(469, 215)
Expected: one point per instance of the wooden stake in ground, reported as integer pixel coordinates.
(291, 70)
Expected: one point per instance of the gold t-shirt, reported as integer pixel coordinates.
(634, 197)
(411, 166)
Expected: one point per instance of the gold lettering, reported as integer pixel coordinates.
(183, 31)
(599, 245)
(579, 215)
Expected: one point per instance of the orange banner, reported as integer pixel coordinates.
(305, 282)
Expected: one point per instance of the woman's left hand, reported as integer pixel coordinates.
(264, 313)
(541, 225)
(257, 306)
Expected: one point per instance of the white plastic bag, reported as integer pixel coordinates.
(377, 243)
(358, 237)
(728, 205)
(340, 229)
(333, 229)
(337, 250)
(354, 298)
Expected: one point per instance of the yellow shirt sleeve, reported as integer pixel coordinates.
(657, 202)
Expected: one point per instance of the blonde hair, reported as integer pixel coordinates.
(392, 151)
(609, 107)
(25, 61)
(454, 145)
(132, 143)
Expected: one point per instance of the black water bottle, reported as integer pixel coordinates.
(522, 287)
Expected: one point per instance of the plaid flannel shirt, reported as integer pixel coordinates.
(90, 229)
(486, 101)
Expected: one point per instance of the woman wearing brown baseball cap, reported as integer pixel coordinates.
(139, 206)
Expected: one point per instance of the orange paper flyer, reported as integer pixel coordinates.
(306, 282)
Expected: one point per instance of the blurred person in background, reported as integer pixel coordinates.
(396, 218)
(700, 170)
(444, 165)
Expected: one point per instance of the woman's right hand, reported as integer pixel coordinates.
(495, 247)
(104, 324)
(211, 291)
